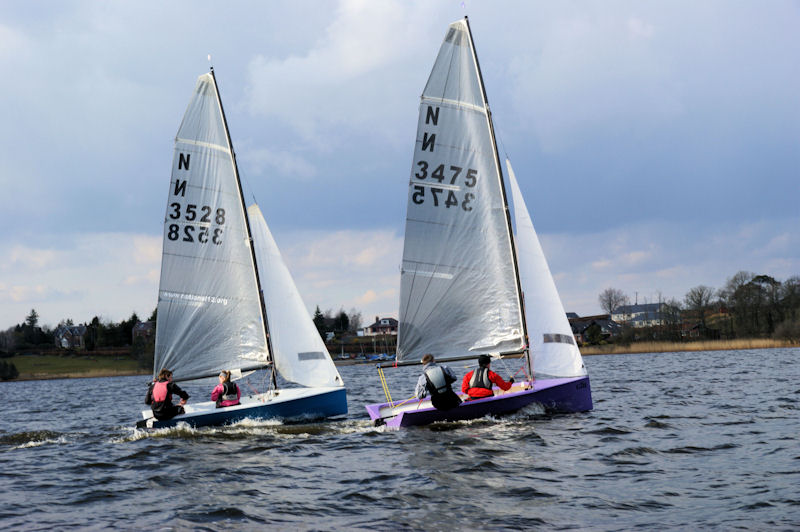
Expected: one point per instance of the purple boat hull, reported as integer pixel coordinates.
(555, 395)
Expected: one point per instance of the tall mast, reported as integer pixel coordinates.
(247, 227)
(520, 300)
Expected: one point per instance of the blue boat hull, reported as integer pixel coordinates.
(306, 406)
(555, 395)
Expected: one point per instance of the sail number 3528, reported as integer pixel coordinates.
(441, 196)
(202, 215)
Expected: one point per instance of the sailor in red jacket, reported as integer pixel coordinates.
(478, 382)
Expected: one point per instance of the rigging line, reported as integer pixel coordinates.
(407, 401)
(263, 378)
(500, 138)
(252, 389)
(385, 387)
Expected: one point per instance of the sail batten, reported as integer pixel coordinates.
(190, 142)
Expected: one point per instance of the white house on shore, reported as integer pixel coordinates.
(640, 315)
(381, 326)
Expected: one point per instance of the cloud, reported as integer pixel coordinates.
(16, 45)
(281, 163)
(672, 263)
(345, 268)
(639, 28)
(29, 258)
(657, 135)
(105, 274)
(367, 297)
(590, 77)
(31, 294)
(341, 80)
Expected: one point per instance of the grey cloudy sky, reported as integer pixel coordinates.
(657, 143)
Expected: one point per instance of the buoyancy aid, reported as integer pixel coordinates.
(480, 379)
(229, 392)
(437, 380)
(160, 391)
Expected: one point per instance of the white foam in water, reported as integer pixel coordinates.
(39, 443)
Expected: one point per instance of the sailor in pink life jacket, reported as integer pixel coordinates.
(226, 393)
(159, 396)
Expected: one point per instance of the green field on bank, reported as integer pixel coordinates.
(52, 366)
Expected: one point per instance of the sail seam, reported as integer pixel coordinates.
(207, 259)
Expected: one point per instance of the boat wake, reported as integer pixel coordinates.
(24, 440)
(248, 428)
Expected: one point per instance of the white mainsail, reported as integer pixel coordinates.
(552, 345)
(458, 290)
(299, 352)
(209, 310)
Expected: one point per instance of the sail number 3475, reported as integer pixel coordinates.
(442, 196)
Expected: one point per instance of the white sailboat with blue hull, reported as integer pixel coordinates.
(226, 299)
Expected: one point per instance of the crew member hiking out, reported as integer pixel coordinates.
(436, 380)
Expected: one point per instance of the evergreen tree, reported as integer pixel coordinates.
(8, 371)
(319, 322)
(32, 320)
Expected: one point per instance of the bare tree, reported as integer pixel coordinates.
(355, 320)
(698, 299)
(611, 298)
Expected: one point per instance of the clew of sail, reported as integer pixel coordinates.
(299, 352)
(552, 344)
(209, 311)
(458, 288)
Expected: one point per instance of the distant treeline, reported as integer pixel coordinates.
(748, 306)
(98, 334)
(339, 324)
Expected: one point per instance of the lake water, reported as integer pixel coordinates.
(677, 441)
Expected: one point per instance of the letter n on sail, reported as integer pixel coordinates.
(183, 161)
(432, 115)
(180, 188)
(428, 140)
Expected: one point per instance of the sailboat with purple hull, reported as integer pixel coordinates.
(470, 283)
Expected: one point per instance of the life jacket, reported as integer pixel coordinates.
(229, 392)
(160, 391)
(437, 380)
(480, 379)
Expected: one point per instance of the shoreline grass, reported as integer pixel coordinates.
(82, 366)
(41, 367)
(699, 345)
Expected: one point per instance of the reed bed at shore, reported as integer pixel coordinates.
(699, 345)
